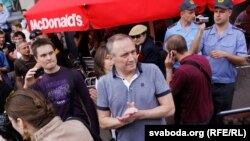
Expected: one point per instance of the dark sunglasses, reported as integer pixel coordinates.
(137, 36)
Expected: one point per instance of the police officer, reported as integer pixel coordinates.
(185, 26)
(224, 45)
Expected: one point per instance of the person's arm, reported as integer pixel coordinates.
(169, 75)
(104, 113)
(194, 49)
(235, 59)
(240, 56)
(165, 109)
(108, 122)
(92, 92)
(169, 62)
(4, 17)
(29, 79)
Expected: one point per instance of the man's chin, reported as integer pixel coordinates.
(50, 66)
(131, 68)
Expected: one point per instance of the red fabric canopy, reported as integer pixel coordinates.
(76, 15)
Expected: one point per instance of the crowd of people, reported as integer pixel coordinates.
(191, 78)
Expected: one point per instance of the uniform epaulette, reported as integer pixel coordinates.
(172, 25)
(237, 28)
(209, 28)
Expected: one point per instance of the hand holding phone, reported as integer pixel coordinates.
(39, 72)
(169, 61)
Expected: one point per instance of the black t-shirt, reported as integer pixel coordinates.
(21, 67)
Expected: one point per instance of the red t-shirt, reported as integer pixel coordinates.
(192, 88)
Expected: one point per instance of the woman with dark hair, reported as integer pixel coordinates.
(35, 119)
(102, 65)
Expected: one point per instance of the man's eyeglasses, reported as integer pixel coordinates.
(137, 36)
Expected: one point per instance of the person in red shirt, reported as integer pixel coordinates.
(190, 83)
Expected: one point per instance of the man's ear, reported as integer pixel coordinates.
(174, 52)
(35, 58)
(230, 12)
(20, 123)
(182, 13)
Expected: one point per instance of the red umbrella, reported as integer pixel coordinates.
(76, 15)
(57, 15)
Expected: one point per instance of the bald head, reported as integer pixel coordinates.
(177, 43)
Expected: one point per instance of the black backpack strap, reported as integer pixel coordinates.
(199, 67)
(95, 136)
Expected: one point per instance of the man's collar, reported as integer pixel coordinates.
(228, 30)
(180, 27)
(138, 66)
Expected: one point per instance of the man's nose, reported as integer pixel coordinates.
(48, 57)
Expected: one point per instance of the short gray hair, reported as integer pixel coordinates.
(114, 38)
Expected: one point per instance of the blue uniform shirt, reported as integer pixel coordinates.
(189, 35)
(232, 41)
(177, 28)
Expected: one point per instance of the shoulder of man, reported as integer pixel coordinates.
(17, 62)
(148, 67)
(237, 28)
(209, 28)
(172, 25)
